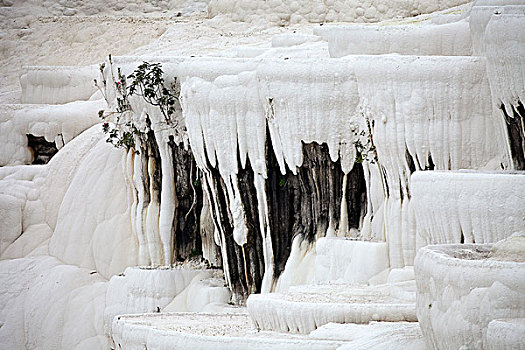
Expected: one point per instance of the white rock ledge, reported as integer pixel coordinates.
(58, 84)
(305, 308)
(460, 290)
(203, 331)
(484, 207)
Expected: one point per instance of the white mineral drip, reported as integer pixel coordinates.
(168, 200)
(447, 205)
(266, 285)
(505, 42)
(140, 215)
(412, 105)
(343, 223)
(322, 115)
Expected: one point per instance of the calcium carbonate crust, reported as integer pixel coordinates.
(460, 291)
(284, 12)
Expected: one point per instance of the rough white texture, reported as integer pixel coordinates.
(469, 207)
(424, 108)
(480, 15)
(147, 290)
(506, 334)
(78, 7)
(57, 84)
(375, 335)
(45, 304)
(11, 214)
(59, 124)
(304, 308)
(284, 12)
(102, 240)
(203, 331)
(450, 39)
(459, 291)
(505, 51)
(351, 261)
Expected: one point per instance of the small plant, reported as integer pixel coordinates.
(364, 145)
(148, 82)
(366, 149)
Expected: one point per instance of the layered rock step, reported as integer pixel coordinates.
(304, 308)
(204, 331)
(58, 84)
(464, 288)
(375, 335)
(467, 206)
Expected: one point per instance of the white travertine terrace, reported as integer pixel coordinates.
(461, 290)
(467, 206)
(241, 97)
(506, 334)
(505, 51)
(57, 85)
(480, 15)
(74, 231)
(449, 39)
(205, 331)
(304, 308)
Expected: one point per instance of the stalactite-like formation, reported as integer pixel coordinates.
(305, 204)
(276, 143)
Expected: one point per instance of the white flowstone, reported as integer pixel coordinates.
(467, 206)
(450, 39)
(351, 261)
(304, 308)
(385, 335)
(58, 123)
(461, 289)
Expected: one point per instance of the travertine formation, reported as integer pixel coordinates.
(461, 289)
(310, 169)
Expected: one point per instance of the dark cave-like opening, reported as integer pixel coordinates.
(515, 128)
(42, 150)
